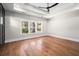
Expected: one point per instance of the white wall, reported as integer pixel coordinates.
(65, 25)
(13, 25)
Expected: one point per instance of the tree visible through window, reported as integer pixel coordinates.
(31, 27)
(24, 27)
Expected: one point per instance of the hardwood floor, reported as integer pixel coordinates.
(42, 46)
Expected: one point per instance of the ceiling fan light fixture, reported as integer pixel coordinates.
(48, 7)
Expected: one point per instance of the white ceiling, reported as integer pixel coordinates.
(24, 8)
(41, 4)
(63, 8)
(29, 9)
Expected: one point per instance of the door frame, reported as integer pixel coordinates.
(3, 25)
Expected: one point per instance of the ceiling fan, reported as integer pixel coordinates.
(48, 7)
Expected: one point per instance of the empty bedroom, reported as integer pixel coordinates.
(39, 29)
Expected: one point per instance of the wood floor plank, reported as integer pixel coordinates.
(41, 46)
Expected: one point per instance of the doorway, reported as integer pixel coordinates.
(2, 24)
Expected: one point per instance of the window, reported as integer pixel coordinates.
(24, 27)
(39, 27)
(31, 27)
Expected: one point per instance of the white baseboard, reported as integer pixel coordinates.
(76, 40)
(17, 39)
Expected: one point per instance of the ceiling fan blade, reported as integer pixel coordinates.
(53, 5)
(48, 7)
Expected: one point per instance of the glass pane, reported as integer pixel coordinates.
(24, 27)
(32, 27)
(39, 27)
